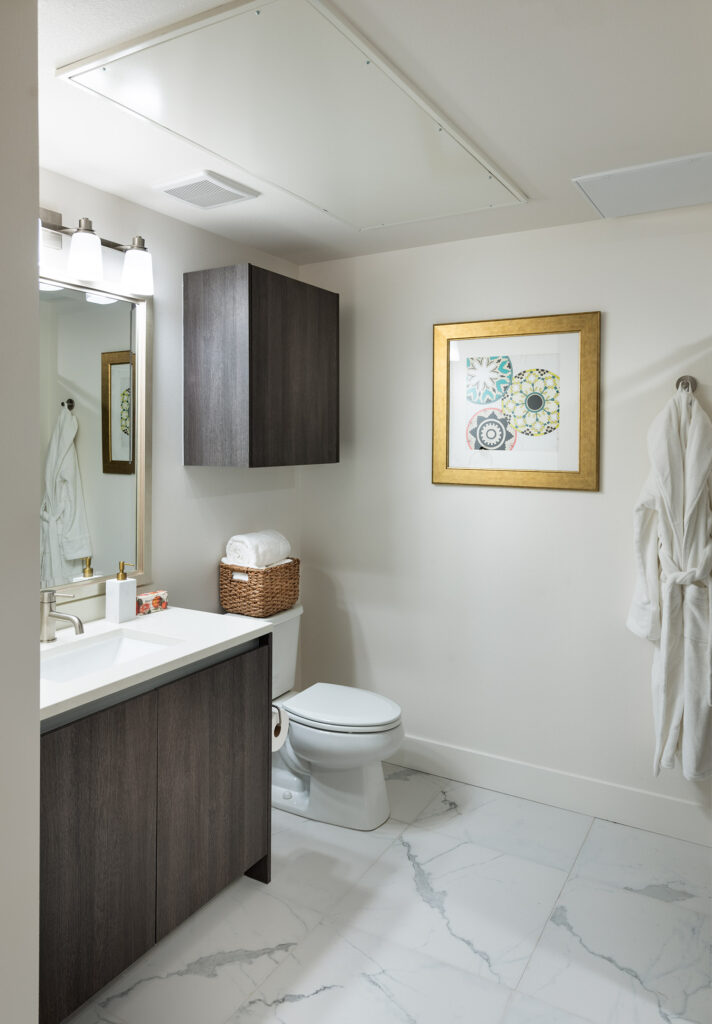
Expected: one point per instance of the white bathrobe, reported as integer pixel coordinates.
(672, 606)
(64, 536)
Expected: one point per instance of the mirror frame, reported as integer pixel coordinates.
(142, 339)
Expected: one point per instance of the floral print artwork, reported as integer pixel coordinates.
(489, 430)
(532, 402)
(488, 378)
(126, 411)
(524, 403)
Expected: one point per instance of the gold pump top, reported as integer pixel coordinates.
(88, 571)
(121, 574)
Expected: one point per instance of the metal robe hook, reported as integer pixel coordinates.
(686, 383)
(69, 403)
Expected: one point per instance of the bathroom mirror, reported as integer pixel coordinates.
(94, 348)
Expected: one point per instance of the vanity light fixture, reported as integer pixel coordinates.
(99, 299)
(85, 262)
(137, 271)
(85, 257)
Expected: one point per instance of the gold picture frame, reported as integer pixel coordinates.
(516, 402)
(118, 436)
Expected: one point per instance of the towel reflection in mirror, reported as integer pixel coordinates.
(64, 534)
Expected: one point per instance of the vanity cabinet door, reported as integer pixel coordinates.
(98, 852)
(214, 771)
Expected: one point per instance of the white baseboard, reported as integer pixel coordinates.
(672, 816)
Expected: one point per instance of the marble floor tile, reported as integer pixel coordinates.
(453, 802)
(212, 961)
(475, 908)
(88, 1014)
(314, 864)
(338, 979)
(466, 906)
(523, 828)
(281, 820)
(409, 791)
(618, 957)
(648, 864)
(525, 1010)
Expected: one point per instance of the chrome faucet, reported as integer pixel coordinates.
(48, 613)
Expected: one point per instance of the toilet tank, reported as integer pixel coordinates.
(285, 641)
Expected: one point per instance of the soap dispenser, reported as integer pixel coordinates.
(121, 596)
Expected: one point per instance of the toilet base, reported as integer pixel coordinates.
(352, 798)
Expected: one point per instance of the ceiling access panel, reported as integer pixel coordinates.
(289, 94)
(647, 188)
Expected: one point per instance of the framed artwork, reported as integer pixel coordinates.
(117, 412)
(515, 402)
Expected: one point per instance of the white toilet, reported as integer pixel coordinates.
(330, 766)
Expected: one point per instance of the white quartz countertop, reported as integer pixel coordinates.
(80, 674)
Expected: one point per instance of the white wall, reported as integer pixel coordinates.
(195, 509)
(19, 505)
(495, 616)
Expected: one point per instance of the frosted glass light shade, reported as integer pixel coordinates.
(137, 272)
(100, 300)
(85, 262)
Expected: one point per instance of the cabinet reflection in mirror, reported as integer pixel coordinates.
(93, 398)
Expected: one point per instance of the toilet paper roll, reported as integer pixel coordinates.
(280, 726)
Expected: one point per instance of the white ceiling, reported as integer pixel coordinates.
(549, 89)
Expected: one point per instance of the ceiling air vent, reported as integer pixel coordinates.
(208, 190)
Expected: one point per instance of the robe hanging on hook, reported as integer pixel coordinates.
(686, 383)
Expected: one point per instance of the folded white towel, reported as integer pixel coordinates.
(243, 575)
(257, 550)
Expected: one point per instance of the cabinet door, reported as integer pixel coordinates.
(98, 852)
(216, 359)
(214, 769)
(294, 372)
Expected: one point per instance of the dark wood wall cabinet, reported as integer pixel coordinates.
(148, 809)
(261, 369)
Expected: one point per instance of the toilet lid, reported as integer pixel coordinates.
(343, 707)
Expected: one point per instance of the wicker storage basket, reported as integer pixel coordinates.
(265, 591)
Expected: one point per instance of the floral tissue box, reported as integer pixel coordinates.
(153, 601)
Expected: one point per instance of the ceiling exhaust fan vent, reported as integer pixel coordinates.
(208, 190)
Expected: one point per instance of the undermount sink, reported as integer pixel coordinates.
(98, 653)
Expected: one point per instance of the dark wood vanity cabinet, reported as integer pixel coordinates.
(97, 852)
(148, 809)
(213, 763)
(260, 369)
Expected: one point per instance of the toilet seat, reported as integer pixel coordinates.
(334, 708)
